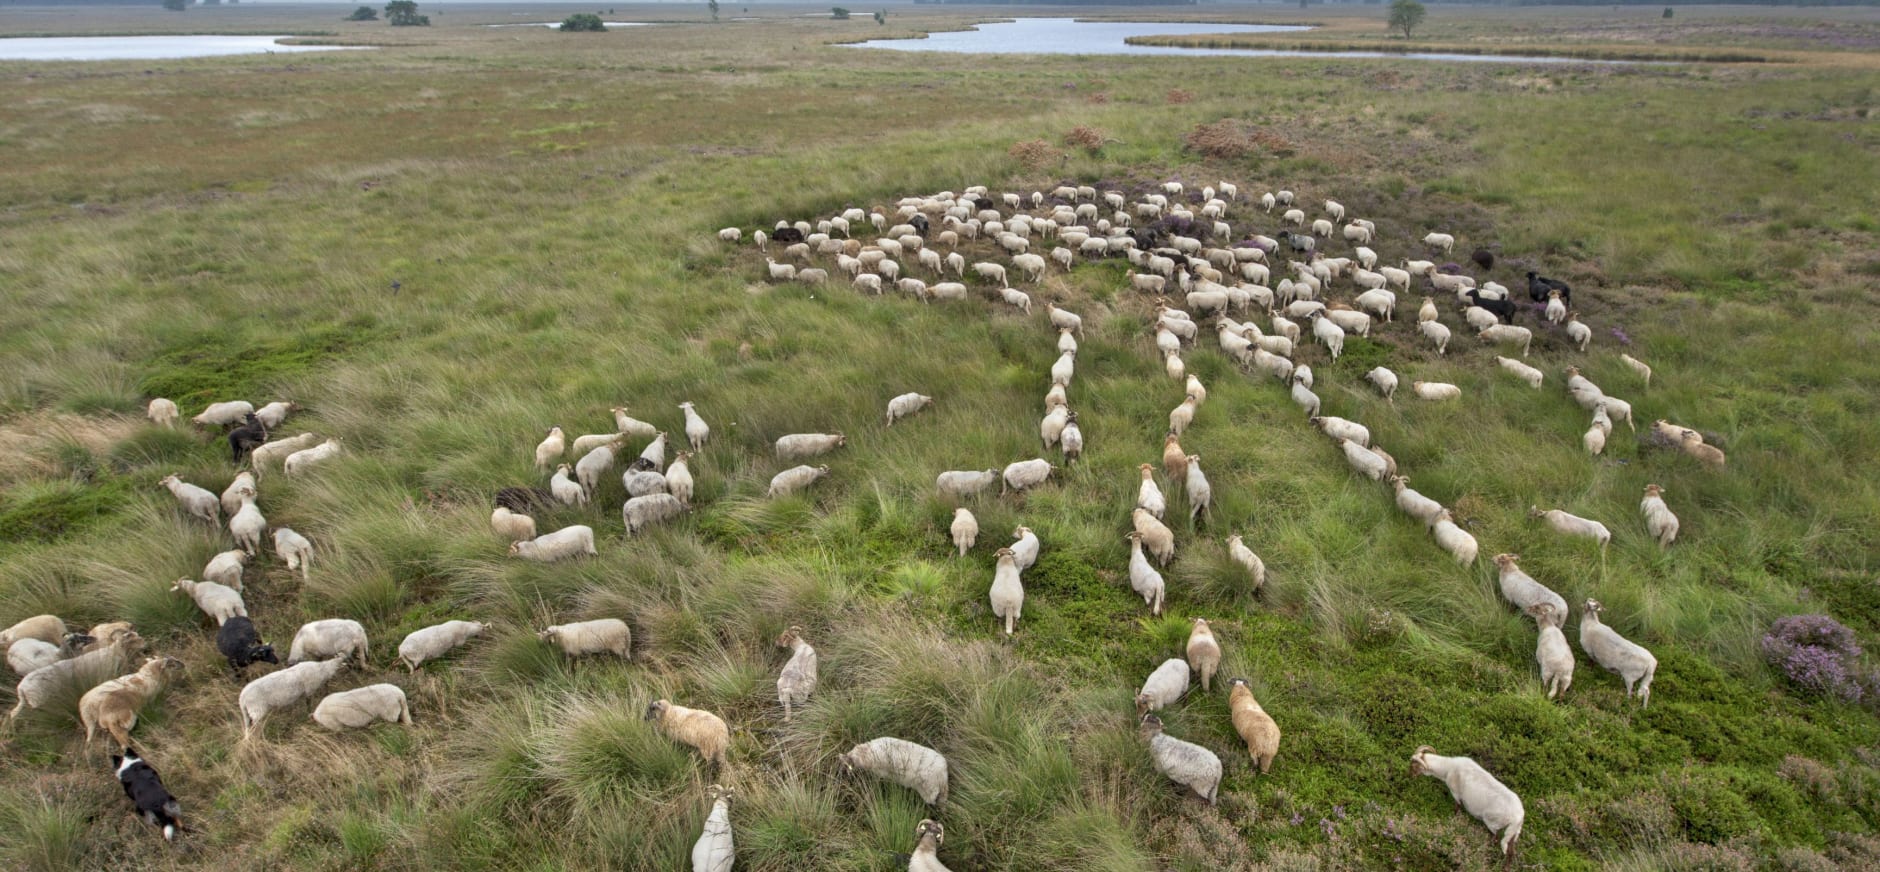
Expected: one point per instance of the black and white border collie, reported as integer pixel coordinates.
(145, 788)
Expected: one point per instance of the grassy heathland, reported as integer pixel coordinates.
(444, 246)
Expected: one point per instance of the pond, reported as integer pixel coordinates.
(148, 48)
(1070, 36)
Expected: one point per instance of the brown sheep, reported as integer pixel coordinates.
(114, 704)
(1253, 724)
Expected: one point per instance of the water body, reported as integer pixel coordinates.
(1070, 36)
(558, 24)
(149, 48)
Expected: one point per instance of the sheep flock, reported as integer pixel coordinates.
(1198, 273)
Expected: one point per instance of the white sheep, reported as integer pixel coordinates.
(28, 654)
(1364, 461)
(868, 282)
(1336, 428)
(430, 643)
(282, 688)
(1556, 310)
(1200, 494)
(1436, 333)
(715, 850)
(46, 628)
(591, 441)
(1522, 591)
(63, 678)
(1238, 551)
(962, 483)
(363, 707)
(1479, 318)
(243, 487)
(226, 568)
(1632, 663)
(1164, 686)
(1639, 367)
(1659, 521)
(1444, 241)
(1203, 652)
(565, 489)
(508, 525)
(1521, 371)
(1025, 474)
(992, 272)
(1453, 539)
(1325, 331)
(595, 464)
(1476, 792)
(223, 414)
(642, 482)
(697, 431)
(1573, 525)
(273, 414)
(1014, 297)
(1148, 495)
(1295, 217)
(550, 449)
(331, 637)
(1508, 333)
(915, 767)
(1194, 390)
(267, 453)
(905, 405)
(1143, 577)
(795, 479)
(641, 512)
(1303, 396)
(162, 412)
(798, 679)
(1051, 426)
(1435, 390)
(1064, 369)
(964, 530)
(1184, 763)
(1007, 593)
(1024, 547)
(248, 526)
(780, 272)
(575, 540)
(730, 234)
(1415, 504)
(599, 636)
(926, 857)
(1551, 651)
(1156, 536)
(679, 481)
(195, 500)
(215, 600)
(299, 461)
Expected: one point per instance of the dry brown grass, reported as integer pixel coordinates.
(1085, 137)
(1229, 138)
(1036, 154)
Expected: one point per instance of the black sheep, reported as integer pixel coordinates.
(1503, 309)
(524, 500)
(145, 789)
(246, 438)
(919, 223)
(1299, 242)
(1538, 286)
(787, 234)
(241, 644)
(1483, 258)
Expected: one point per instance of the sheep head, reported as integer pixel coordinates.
(1150, 725)
(1506, 561)
(657, 709)
(1652, 490)
(1417, 764)
(1592, 607)
(790, 637)
(932, 828)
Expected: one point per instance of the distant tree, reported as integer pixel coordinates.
(1405, 15)
(404, 13)
(881, 16)
(1667, 12)
(364, 13)
(176, 5)
(839, 13)
(713, 6)
(583, 22)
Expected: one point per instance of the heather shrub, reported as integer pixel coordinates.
(1815, 653)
